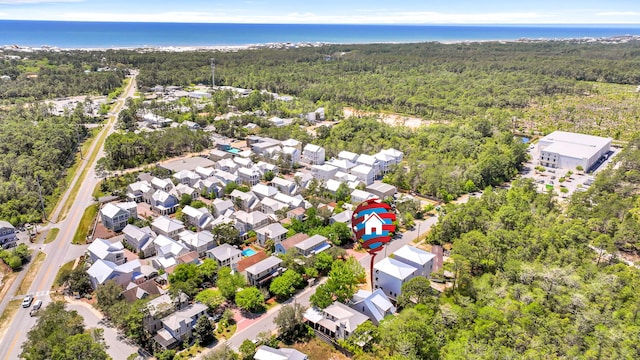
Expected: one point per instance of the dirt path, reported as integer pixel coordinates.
(391, 119)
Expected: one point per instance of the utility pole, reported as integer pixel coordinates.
(44, 213)
(213, 73)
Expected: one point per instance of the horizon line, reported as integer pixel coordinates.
(539, 24)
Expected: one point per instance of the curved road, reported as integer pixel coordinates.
(60, 250)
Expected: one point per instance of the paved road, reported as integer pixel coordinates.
(266, 323)
(93, 319)
(60, 250)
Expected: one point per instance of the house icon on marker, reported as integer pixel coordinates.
(373, 225)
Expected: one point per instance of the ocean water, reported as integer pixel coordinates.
(118, 34)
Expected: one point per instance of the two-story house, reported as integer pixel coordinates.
(136, 190)
(365, 173)
(275, 232)
(178, 327)
(418, 258)
(7, 233)
(246, 201)
(186, 177)
(106, 250)
(167, 227)
(200, 218)
(200, 242)
(225, 255)
(220, 207)
(390, 274)
(313, 154)
(249, 176)
(141, 239)
(163, 202)
(246, 222)
(162, 184)
(338, 321)
(376, 305)
(348, 155)
(323, 172)
(103, 270)
(116, 216)
(261, 273)
(285, 186)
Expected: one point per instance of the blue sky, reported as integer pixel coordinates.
(330, 11)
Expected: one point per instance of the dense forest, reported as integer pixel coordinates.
(34, 147)
(527, 286)
(440, 82)
(130, 149)
(46, 75)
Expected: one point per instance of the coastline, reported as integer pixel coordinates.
(176, 37)
(289, 45)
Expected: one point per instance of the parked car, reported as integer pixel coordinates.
(36, 306)
(26, 302)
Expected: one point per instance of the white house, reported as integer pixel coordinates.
(313, 154)
(323, 172)
(264, 352)
(161, 184)
(348, 155)
(341, 164)
(245, 200)
(376, 305)
(358, 196)
(221, 206)
(250, 176)
(337, 321)
(275, 232)
(285, 186)
(227, 165)
(246, 222)
(200, 218)
(136, 190)
(116, 216)
(182, 189)
(243, 162)
(227, 177)
(225, 255)
(167, 227)
(418, 258)
(186, 177)
(390, 274)
(262, 191)
(166, 246)
(365, 173)
(140, 239)
(261, 273)
(105, 250)
(291, 153)
(271, 206)
(178, 327)
(163, 202)
(371, 162)
(101, 271)
(200, 242)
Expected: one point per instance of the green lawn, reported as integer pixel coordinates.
(51, 235)
(84, 228)
(66, 268)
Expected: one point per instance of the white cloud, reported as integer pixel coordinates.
(25, 2)
(619, 13)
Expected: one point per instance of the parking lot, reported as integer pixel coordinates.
(563, 182)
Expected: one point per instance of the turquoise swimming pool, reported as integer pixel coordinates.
(234, 150)
(248, 252)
